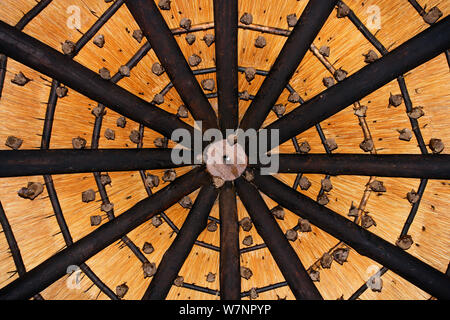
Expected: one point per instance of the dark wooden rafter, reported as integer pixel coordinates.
(229, 267)
(59, 161)
(364, 242)
(180, 248)
(415, 208)
(52, 63)
(198, 288)
(386, 165)
(323, 140)
(30, 15)
(297, 45)
(286, 258)
(253, 248)
(53, 268)
(111, 216)
(13, 246)
(45, 144)
(3, 66)
(266, 288)
(158, 34)
(447, 55)
(416, 51)
(417, 6)
(226, 33)
(134, 60)
(12, 243)
(23, 22)
(92, 31)
(68, 237)
(400, 79)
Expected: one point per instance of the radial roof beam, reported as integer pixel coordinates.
(308, 26)
(287, 260)
(414, 52)
(158, 34)
(180, 248)
(364, 242)
(40, 57)
(55, 267)
(230, 279)
(432, 166)
(58, 161)
(226, 37)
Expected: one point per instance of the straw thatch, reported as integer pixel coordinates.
(22, 111)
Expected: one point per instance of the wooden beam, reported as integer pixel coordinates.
(297, 45)
(95, 28)
(226, 33)
(230, 279)
(17, 163)
(158, 34)
(364, 242)
(432, 166)
(13, 247)
(414, 52)
(417, 6)
(286, 258)
(40, 57)
(12, 243)
(180, 248)
(54, 267)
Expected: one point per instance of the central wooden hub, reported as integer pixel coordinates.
(224, 160)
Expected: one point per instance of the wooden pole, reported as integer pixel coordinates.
(30, 15)
(416, 51)
(158, 34)
(55, 267)
(40, 57)
(180, 248)
(230, 279)
(13, 247)
(286, 258)
(432, 166)
(226, 33)
(16, 163)
(12, 243)
(297, 45)
(364, 242)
